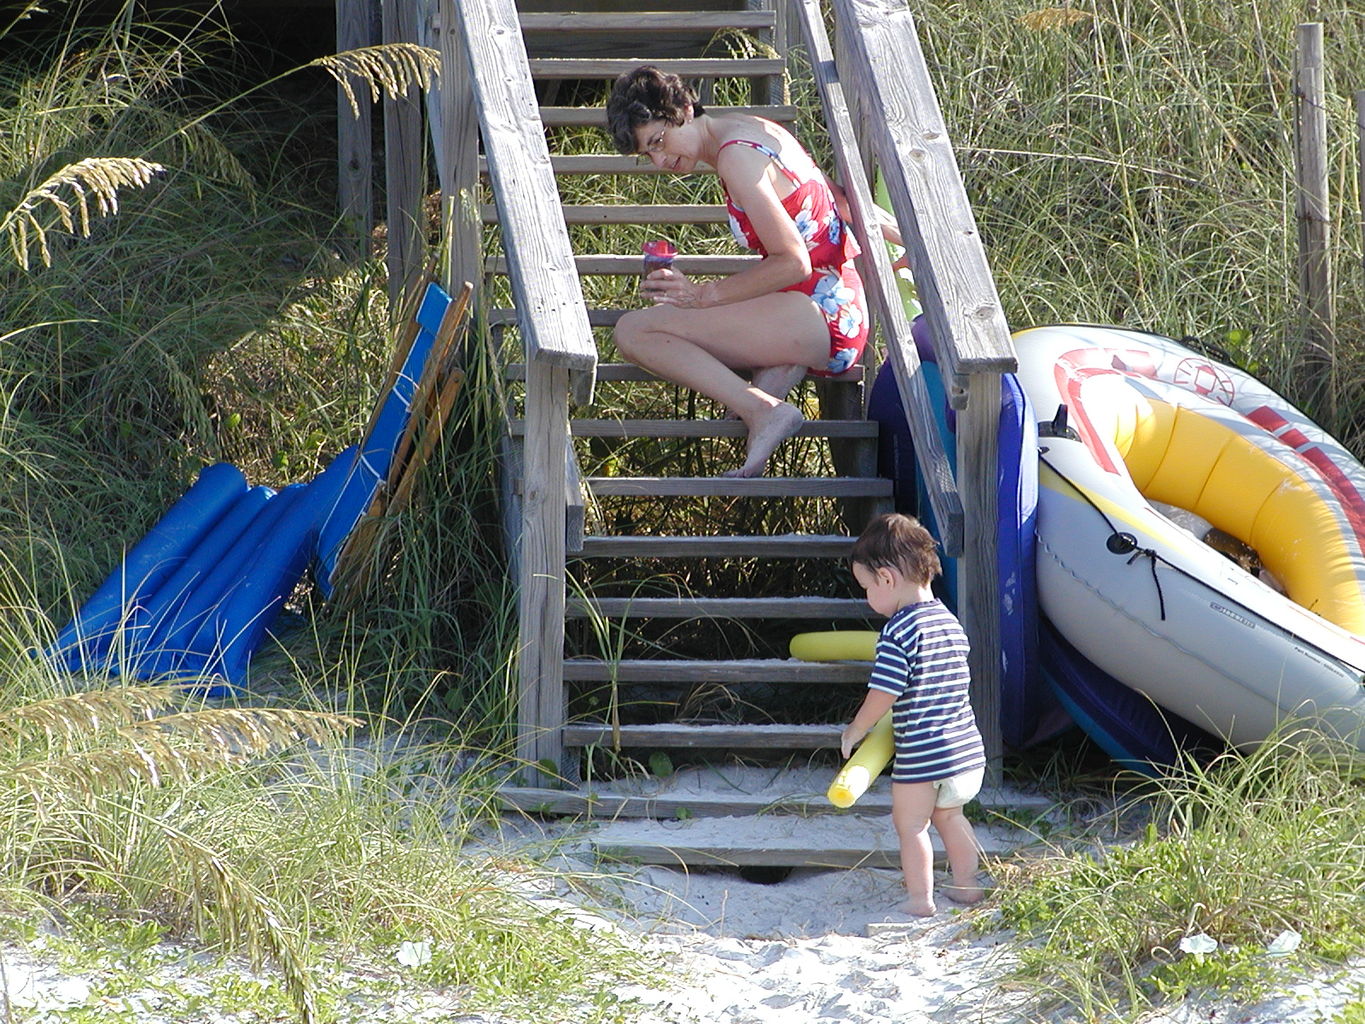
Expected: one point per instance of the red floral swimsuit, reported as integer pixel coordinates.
(834, 283)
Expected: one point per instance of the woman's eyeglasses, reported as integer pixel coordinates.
(654, 145)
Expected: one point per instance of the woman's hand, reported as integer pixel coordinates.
(672, 288)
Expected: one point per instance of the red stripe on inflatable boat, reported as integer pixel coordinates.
(1073, 368)
(1352, 503)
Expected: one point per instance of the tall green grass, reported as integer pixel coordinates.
(1132, 164)
(1129, 163)
(209, 317)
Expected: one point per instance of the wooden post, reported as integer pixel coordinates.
(355, 170)
(1314, 219)
(404, 148)
(773, 89)
(561, 355)
(978, 459)
(459, 164)
(543, 520)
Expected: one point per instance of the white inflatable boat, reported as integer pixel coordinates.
(1149, 434)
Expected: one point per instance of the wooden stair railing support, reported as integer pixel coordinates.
(561, 354)
(773, 89)
(880, 282)
(895, 96)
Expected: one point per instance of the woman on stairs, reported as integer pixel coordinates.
(799, 309)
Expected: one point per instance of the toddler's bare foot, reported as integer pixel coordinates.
(777, 381)
(964, 894)
(767, 432)
(917, 909)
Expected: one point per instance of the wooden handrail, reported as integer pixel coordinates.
(895, 97)
(911, 144)
(880, 282)
(561, 353)
(554, 324)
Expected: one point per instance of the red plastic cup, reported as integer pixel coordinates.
(659, 254)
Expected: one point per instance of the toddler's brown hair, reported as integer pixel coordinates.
(900, 542)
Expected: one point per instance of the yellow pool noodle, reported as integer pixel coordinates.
(862, 769)
(835, 645)
(867, 762)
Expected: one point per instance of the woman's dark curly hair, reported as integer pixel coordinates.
(643, 95)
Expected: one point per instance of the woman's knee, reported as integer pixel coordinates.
(630, 333)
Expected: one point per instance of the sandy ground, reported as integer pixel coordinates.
(813, 945)
(823, 945)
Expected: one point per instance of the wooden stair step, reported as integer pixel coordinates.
(740, 487)
(561, 68)
(556, 117)
(630, 372)
(604, 803)
(657, 213)
(596, 318)
(777, 840)
(727, 791)
(615, 22)
(701, 428)
(604, 265)
(593, 163)
(755, 670)
(719, 608)
(723, 737)
(790, 545)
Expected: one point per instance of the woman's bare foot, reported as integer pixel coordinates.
(766, 432)
(777, 381)
(916, 909)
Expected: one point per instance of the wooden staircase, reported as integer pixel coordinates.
(683, 587)
(617, 573)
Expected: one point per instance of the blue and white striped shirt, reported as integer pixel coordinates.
(922, 662)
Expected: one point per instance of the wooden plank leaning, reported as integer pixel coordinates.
(433, 397)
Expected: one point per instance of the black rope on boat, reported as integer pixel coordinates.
(1152, 558)
(1121, 542)
(1124, 543)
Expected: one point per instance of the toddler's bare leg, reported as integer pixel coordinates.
(964, 859)
(912, 804)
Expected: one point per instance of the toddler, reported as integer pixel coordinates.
(920, 675)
